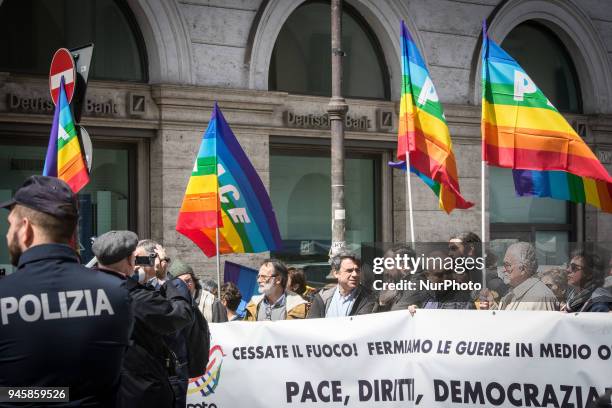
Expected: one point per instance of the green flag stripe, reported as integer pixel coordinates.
(431, 107)
(206, 166)
(576, 188)
(504, 95)
(61, 142)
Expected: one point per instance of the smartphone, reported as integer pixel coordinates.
(145, 260)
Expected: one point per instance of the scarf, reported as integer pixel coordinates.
(577, 298)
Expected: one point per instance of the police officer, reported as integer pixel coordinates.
(149, 362)
(61, 324)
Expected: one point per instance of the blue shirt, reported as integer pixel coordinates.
(341, 305)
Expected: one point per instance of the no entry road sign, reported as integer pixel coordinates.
(62, 65)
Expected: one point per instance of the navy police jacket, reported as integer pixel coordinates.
(62, 324)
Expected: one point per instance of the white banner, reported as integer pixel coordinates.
(437, 358)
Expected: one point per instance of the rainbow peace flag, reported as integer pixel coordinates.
(522, 130)
(423, 131)
(64, 159)
(224, 190)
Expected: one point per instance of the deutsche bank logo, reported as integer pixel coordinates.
(384, 119)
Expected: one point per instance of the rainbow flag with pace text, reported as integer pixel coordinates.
(64, 159)
(523, 131)
(225, 191)
(423, 132)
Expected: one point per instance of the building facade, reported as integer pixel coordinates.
(160, 65)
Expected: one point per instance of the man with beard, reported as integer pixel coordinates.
(62, 325)
(348, 297)
(275, 302)
(527, 291)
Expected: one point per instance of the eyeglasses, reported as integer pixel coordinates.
(265, 277)
(572, 267)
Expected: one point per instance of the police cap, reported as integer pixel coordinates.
(113, 246)
(48, 195)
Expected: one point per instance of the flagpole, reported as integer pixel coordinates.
(409, 195)
(218, 262)
(217, 201)
(405, 68)
(483, 230)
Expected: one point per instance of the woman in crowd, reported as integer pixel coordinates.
(585, 277)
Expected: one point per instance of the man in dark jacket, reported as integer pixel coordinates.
(148, 361)
(348, 297)
(61, 324)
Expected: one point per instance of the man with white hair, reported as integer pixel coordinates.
(527, 291)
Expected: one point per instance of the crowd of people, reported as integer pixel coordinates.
(131, 330)
(583, 285)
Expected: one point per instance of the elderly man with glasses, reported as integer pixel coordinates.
(275, 302)
(348, 297)
(527, 291)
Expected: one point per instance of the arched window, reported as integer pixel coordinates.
(548, 64)
(301, 60)
(31, 31)
(549, 223)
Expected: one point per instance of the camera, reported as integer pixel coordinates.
(147, 260)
